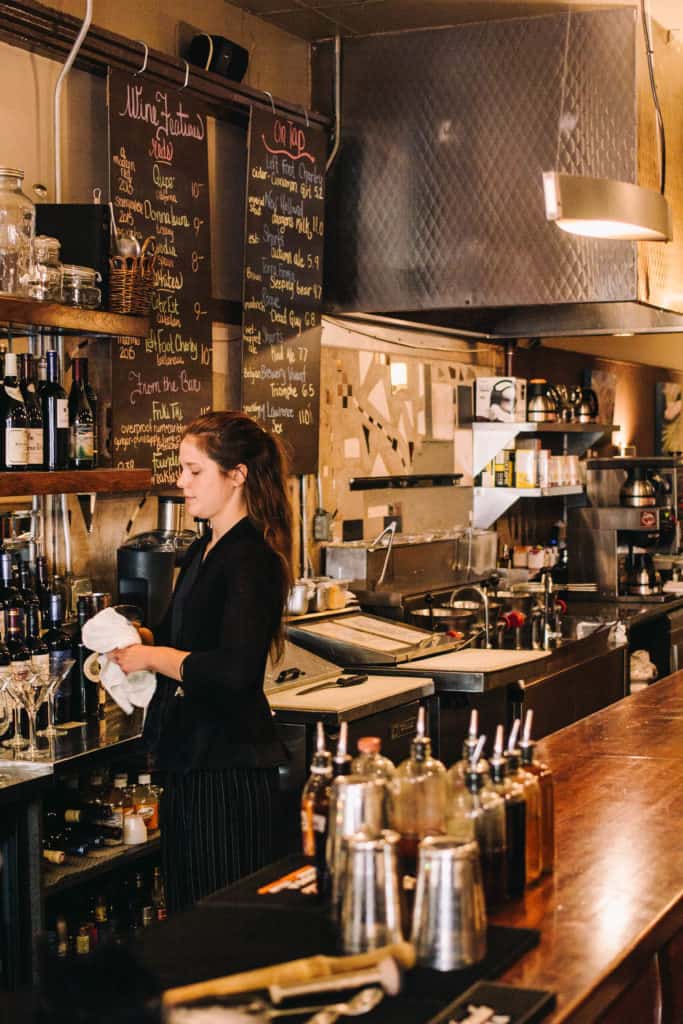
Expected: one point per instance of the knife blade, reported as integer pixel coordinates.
(342, 681)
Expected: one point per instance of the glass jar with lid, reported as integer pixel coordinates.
(17, 228)
(45, 278)
(79, 286)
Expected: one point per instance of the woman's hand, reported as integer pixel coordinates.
(136, 658)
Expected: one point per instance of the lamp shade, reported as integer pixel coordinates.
(605, 208)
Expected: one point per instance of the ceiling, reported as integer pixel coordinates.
(319, 19)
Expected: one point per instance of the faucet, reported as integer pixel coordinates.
(549, 612)
(391, 528)
(481, 593)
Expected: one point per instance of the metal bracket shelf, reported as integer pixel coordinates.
(489, 503)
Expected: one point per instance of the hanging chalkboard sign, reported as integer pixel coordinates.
(159, 187)
(284, 228)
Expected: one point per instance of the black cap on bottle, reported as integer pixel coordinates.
(32, 620)
(6, 566)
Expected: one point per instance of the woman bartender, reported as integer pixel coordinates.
(209, 722)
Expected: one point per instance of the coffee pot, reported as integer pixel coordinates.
(638, 491)
(543, 402)
(642, 577)
(586, 405)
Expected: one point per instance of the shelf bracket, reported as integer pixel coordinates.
(489, 504)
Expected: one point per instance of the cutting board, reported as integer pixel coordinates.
(377, 694)
(478, 660)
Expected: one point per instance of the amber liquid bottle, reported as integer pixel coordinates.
(315, 804)
(547, 786)
(532, 795)
(515, 818)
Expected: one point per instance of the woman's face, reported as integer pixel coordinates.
(207, 489)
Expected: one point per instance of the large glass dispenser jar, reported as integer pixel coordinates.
(17, 228)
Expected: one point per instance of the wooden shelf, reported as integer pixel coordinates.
(29, 316)
(75, 871)
(75, 481)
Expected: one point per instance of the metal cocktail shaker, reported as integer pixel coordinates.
(449, 920)
(370, 909)
(356, 802)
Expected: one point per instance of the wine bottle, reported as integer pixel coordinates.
(9, 595)
(81, 421)
(63, 843)
(85, 688)
(42, 586)
(93, 401)
(55, 417)
(34, 415)
(15, 639)
(14, 419)
(158, 895)
(59, 646)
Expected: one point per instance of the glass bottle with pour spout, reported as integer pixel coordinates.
(480, 810)
(370, 760)
(418, 797)
(468, 747)
(315, 805)
(512, 793)
(532, 795)
(547, 787)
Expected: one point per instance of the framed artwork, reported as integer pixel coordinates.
(604, 384)
(668, 422)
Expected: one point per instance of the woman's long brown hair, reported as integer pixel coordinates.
(231, 439)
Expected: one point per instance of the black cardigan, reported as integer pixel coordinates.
(219, 715)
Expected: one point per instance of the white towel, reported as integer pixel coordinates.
(107, 631)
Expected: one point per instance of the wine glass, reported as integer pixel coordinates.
(17, 742)
(54, 677)
(5, 718)
(30, 689)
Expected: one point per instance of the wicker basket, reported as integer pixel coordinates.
(131, 279)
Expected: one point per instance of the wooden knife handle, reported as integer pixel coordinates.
(288, 973)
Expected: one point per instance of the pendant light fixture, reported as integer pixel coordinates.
(605, 207)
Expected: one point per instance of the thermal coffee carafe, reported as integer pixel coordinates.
(148, 562)
(638, 491)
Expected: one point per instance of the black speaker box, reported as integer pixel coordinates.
(83, 230)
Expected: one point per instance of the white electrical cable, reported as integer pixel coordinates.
(57, 116)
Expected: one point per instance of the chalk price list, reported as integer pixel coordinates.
(283, 281)
(160, 188)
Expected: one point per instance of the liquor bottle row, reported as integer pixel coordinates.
(78, 821)
(505, 804)
(42, 429)
(124, 907)
(32, 616)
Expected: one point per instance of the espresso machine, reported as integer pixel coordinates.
(148, 563)
(633, 520)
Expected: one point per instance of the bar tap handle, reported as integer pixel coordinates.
(537, 629)
(390, 529)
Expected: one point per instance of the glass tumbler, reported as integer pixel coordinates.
(370, 908)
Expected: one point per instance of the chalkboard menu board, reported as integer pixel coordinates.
(284, 229)
(159, 186)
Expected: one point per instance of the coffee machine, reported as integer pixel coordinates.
(633, 518)
(148, 563)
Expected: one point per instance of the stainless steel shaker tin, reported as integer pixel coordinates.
(449, 919)
(356, 802)
(370, 908)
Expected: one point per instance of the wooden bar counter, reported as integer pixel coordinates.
(611, 916)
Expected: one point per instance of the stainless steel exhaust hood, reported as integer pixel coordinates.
(436, 213)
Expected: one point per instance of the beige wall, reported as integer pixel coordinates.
(652, 349)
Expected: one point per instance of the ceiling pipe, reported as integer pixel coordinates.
(337, 102)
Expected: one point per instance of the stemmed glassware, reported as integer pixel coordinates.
(29, 688)
(54, 679)
(5, 716)
(17, 742)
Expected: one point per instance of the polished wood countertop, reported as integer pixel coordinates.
(617, 893)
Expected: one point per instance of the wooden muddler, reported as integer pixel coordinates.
(290, 972)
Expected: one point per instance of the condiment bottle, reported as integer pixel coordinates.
(370, 760)
(545, 781)
(145, 801)
(487, 811)
(315, 803)
(515, 818)
(468, 746)
(418, 793)
(532, 795)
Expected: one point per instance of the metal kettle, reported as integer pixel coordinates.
(638, 491)
(543, 402)
(586, 406)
